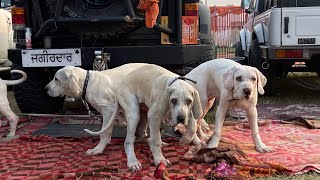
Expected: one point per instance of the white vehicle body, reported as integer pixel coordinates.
(6, 36)
(285, 29)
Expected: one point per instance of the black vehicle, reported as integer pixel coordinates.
(98, 34)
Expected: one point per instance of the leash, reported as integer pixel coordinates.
(83, 98)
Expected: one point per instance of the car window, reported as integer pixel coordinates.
(298, 3)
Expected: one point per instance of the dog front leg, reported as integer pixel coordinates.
(132, 116)
(253, 122)
(219, 120)
(155, 118)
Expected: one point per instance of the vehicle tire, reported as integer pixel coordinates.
(255, 60)
(31, 96)
(239, 50)
(87, 8)
(210, 51)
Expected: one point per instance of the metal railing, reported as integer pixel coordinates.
(226, 27)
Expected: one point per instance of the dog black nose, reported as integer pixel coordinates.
(46, 88)
(181, 118)
(247, 91)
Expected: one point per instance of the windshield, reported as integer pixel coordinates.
(298, 3)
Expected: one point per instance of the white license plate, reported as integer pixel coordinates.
(51, 57)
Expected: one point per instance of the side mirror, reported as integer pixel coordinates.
(245, 4)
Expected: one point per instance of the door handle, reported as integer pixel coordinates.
(286, 25)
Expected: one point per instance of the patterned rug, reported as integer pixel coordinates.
(26, 125)
(295, 147)
(43, 157)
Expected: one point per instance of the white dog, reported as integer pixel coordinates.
(163, 94)
(237, 86)
(100, 92)
(4, 103)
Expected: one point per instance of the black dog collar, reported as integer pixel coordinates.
(182, 78)
(84, 90)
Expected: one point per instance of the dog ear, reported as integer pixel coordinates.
(71, 81)
(261, 81)
(228, 78)
(196, 107)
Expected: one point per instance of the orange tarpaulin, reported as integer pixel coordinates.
(151, 9)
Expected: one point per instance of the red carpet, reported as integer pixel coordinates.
(26, 125)
(295, 147)
(44, 157)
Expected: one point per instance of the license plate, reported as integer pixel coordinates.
(51, 57)
(306, 40)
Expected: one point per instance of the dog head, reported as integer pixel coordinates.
(244, 82)
(65, 83)
(184, 102)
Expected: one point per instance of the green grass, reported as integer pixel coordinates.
(308, 176)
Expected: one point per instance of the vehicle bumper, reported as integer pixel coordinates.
(163, 55)
(269, 53)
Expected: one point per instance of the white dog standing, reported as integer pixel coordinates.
(237, 86)
(100, 92)
(162, 93)
(4, 103)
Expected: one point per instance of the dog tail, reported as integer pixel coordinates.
(109, 123)
(15, 82)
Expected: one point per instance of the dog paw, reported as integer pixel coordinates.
(95, 151)
(10, 134)
(212, 145)
(134, 166)
(164, 144)
(263, 149)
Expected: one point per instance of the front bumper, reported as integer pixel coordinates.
(163, 55)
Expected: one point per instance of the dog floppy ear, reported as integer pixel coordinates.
(228, 78)
(261, 81)
(196, 107)
(70, 81)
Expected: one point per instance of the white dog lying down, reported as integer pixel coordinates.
(4, 103)
(162, 93)
(237, 86)
(100, 92)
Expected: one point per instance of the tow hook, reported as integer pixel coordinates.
(265, 65)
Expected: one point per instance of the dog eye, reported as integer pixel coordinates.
(239, 78)
(189, 102)
(55, 79)
(174, 101)
(253, 79)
